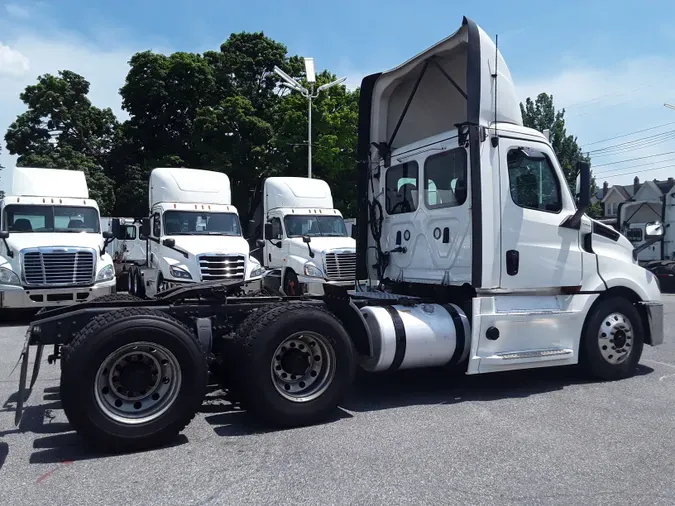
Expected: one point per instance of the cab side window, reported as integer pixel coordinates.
(533, 182)
(401, 188)
(445, 179)
(156, 225)
(277, 231)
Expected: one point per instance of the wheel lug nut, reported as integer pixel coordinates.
(165, 380)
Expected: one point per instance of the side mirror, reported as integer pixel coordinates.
(355, 231)
(654, 230)
(583, 186)
(251, 228)
(306, 239)
(107, 234)
(145, 227)
(260, 243)
(116, 228)
(169, 243)
(4, 234)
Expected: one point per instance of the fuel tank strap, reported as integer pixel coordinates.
(459, 333)
(399, 332)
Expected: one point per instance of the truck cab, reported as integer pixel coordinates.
(52, 250)
(193, 233)
(304, 240)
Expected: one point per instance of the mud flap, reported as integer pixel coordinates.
(36, 366)
(22, 381)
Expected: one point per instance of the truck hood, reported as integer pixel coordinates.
(199, 244)
(321, 244)
(19, 241)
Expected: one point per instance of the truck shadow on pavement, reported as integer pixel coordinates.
(56, 442)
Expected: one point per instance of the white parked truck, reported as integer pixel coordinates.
(475, 253)
(127, 248)
(52, 250)
(655, 254)
(193, 233)
(304, 242)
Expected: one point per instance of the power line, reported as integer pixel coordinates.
(633, 159)
(628, 134)
(634, 146)
(643, 170)
(635, 142)
(634, 166)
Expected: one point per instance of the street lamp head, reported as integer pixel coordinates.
(309, 70)
(292, 83)
(330, 85)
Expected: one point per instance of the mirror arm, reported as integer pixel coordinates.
(645, 245)
(10, 253)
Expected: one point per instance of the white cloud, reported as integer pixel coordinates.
(17, 11)
(12, 62)
(604, 102)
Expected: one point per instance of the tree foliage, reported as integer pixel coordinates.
(541, 114)
(62, 129)
(221, 110)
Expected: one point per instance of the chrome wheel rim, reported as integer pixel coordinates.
(303, 366)
(129, 283)
(137, 383)
(615, 338)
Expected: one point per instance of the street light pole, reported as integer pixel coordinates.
(309, 135)
(291, 83)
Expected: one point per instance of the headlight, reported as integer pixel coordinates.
(258, 271)
(313, 271)
(105, 274)
(8, 277)
(179, 273)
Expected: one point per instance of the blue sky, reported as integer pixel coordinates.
(610, 63)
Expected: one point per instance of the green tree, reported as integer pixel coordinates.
(62, 129)
(541, 114)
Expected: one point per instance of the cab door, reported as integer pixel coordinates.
(537, 249)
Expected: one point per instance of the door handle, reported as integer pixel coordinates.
(512, 262)
(446, 235)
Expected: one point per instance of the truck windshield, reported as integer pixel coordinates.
(326, 226)
(200, 223)
(23, 218)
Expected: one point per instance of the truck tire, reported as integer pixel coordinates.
(132, 379)
(139, 286)
(612, 340)
(294, 364)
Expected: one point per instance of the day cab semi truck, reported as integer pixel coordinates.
(127, 248)
(193, 233)
(471, 252)
(304, 242)
(52, 250)
(655, 254)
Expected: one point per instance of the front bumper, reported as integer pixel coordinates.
(314, 286)
(20, 298)
(654, 311)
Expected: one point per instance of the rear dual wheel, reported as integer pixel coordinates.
(293, 364)
(132, 379)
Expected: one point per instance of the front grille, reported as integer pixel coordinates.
(214, 267)
(340, 266)
(58, 267)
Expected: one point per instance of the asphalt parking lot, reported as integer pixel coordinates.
(539, 437)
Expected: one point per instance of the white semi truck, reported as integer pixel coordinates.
(304, 242)
(475, 253)
(127, 248)
(52, 250)
(655, 254)
(193, 233)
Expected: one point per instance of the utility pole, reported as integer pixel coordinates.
(292, 84)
